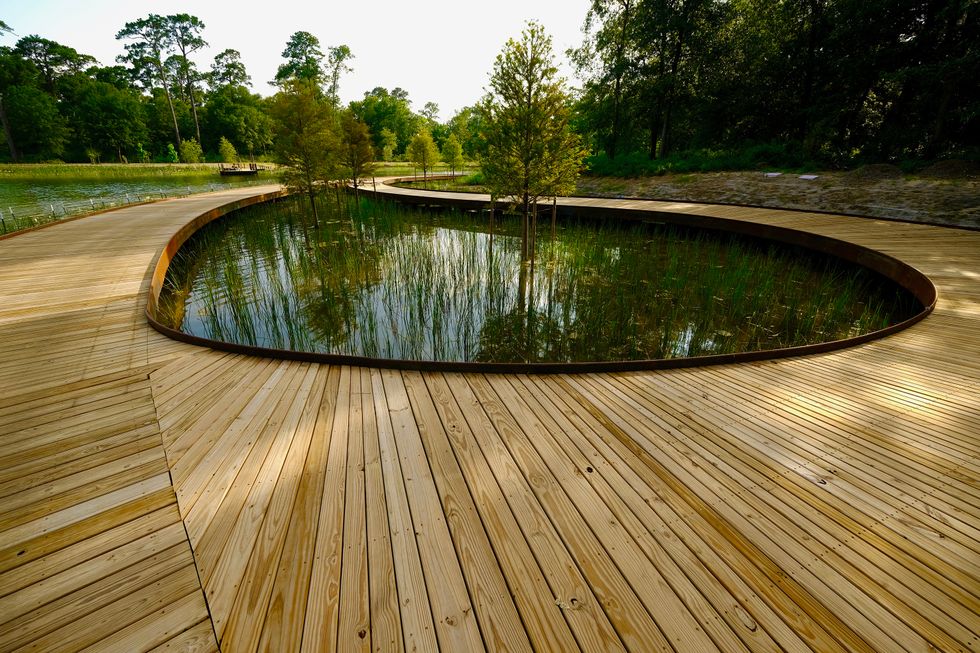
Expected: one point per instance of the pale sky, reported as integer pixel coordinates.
(440, 51)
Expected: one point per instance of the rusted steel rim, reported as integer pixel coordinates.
(898, 271)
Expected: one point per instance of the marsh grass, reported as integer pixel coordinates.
(29, 171)
(383, 280)
(35, 194)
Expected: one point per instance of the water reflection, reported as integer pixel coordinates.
(380, 280)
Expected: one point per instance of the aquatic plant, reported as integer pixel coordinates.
(384, 280)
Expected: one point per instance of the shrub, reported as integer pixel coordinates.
(190, 151)
(227, 151)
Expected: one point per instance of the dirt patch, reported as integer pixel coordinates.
(952, 169)
(875, 172)
(875, 191)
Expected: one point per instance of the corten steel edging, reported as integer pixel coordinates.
(898, 271)
(185, 232)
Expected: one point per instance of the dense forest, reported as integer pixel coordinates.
(837, 82)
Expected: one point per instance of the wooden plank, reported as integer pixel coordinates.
(283, 626)
(452, 610)
(497, 615)
(245, 622)
(226, 547)
(418, 630)
(385, 615)
(354, 629)
(533, 526)
(543, 619)
(199, 638)
(633, 623)
(322, 607)
(657, 593)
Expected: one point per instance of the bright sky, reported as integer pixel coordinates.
(437, 50)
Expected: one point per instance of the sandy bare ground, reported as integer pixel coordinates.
(947, 194)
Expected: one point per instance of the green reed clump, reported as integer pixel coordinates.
(384, 280)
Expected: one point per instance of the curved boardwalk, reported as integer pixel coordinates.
(155, 494)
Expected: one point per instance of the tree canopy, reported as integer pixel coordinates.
(808, 82)
(529, 150)
(833, 80)
(306, 138)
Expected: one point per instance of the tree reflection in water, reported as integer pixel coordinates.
(377, 279)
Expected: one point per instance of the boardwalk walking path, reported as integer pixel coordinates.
(157, 495)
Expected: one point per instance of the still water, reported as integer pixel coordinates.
(380, 280)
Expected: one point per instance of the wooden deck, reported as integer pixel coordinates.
(161, 496)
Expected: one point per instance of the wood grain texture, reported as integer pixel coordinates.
(823, 503)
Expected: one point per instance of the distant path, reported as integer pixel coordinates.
(830, 502)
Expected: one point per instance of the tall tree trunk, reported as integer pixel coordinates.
(316, 217)
(170, 102)
(7, 133)
(810, 67)
(618, 83)
(197, 125)
(935, 137)
(524, 227)
(655, 117)
(554, 220)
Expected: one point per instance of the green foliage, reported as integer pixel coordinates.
(357, 153)
(228, 70)
(107, 119)
(381, 109)
(142, 156)
(452, 153)
(841, 81)
(530, 151)
(240, 116)
(755, 157)
(172, 156)
(150, 40)
(36, 127)
(52, 60)
(389, 142)
(422, 151)
(190, 151)
(337, 59)
(466, 124)
(304, 60)
(226, 151)
(306, 138)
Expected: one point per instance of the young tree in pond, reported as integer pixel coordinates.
(150, 40)
(357, 154)
(185, 31)
(304, 60)
(452, 153)
(306, 139)
(422, 152)
(389, 142)
(526, 129)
